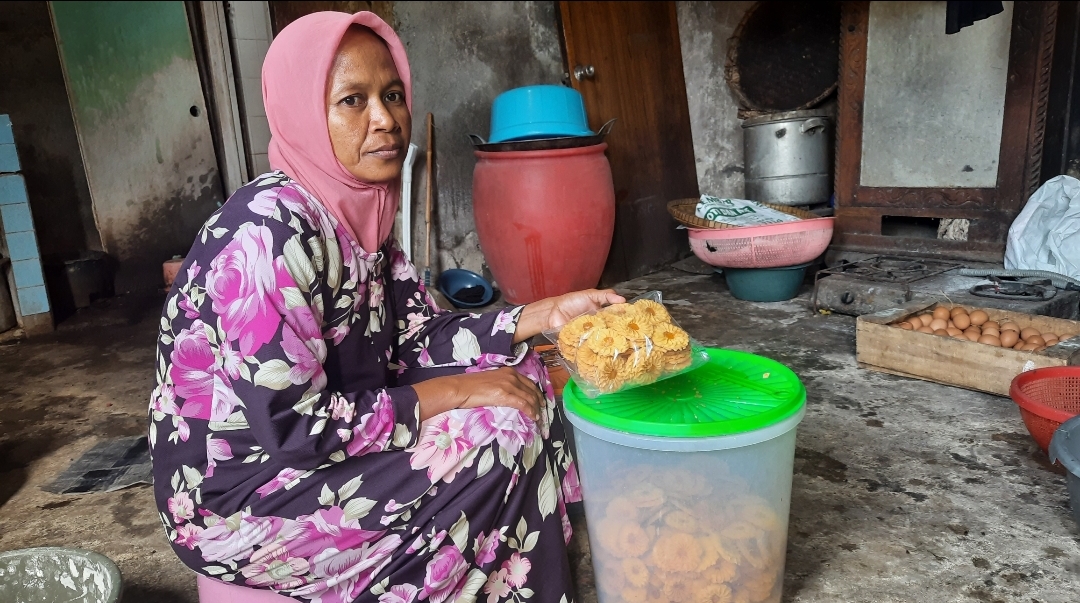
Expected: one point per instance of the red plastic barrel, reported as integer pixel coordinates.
(544, 218)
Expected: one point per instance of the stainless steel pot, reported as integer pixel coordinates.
(788, 157)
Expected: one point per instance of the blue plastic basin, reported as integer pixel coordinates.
(535, 112)
(454, 280)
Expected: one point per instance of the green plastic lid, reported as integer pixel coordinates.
(734, 393)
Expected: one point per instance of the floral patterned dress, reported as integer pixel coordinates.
(288, 452)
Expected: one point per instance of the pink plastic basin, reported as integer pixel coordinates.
(770, 246)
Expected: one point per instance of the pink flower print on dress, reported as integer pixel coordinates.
(403, 593)
(277, 569)
(325, 529)
(231, 360)
(509, 427)
(401, 269)
(163, 400)
(306, 367)
(567, 529)
(375, 294)
(225, 399)
(181, 507)
(216, 450)
(280, 480)
(190, 311)
(193, 366)
(338, 333)
(235, 537)
(504, 322)
(341, 408)
(496, 587)
(265, 202)
(443, 449)
(517, 570)
(571, 486)
(241, 284)
(372, 434)
(444, 575)
(187, 535)
(270, 199)
(348, 572)
(486, 546)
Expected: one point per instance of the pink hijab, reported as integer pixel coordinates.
(294, 93)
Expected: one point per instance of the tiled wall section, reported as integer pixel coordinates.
(249, 28)
(18, 228)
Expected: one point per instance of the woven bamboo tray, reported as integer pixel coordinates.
(683, 211)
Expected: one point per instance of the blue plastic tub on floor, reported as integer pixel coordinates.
(765, 284)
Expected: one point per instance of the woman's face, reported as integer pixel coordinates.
(370, 126)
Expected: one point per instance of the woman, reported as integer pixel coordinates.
(320, 427)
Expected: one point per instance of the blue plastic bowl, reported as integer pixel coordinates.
(535, 112)
(765, 284)
(454, 280)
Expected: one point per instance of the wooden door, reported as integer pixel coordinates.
(140, 116)
(633, 48)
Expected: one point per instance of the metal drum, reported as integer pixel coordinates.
(788, 157)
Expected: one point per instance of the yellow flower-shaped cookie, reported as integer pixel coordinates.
(636, 572)
(607, 343)
(653, 311)
(668, 337)
(676, 552)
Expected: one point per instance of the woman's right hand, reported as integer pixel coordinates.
(500, 387)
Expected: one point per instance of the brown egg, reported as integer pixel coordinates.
(1010, 326)
(962, 321)
(942, 313)
(938, 324)
(990, 340)
(978, 317)
(991, 324)
(906, 326)
(1029, 347)
(957, 310)
(941, 333)
(1009, 338)
(925, 330)
(1028, 333)
(1064, 338)
(1050, 341)
(991, 332)
(1036, 340)
(926, 319)
(973, 333)
(954, 331)
(1049, 336)
(1020, 344)
(960, 336)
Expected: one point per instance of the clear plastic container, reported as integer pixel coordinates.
(695, 518)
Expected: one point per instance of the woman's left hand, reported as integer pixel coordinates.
(554, 312)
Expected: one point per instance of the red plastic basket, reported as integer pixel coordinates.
(1047, 397)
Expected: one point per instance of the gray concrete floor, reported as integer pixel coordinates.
(904, 490)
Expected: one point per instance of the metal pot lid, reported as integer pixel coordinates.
(788, 116)
(544, 144)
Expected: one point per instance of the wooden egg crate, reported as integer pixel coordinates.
(882, 346)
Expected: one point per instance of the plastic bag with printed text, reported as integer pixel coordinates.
(624, 346)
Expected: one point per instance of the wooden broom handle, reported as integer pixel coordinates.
(430, 179)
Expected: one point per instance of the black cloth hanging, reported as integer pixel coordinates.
(959, 15)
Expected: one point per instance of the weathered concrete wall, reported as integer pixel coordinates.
(704, 29)
(464, 54)
(32, 93)
(143, 131)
